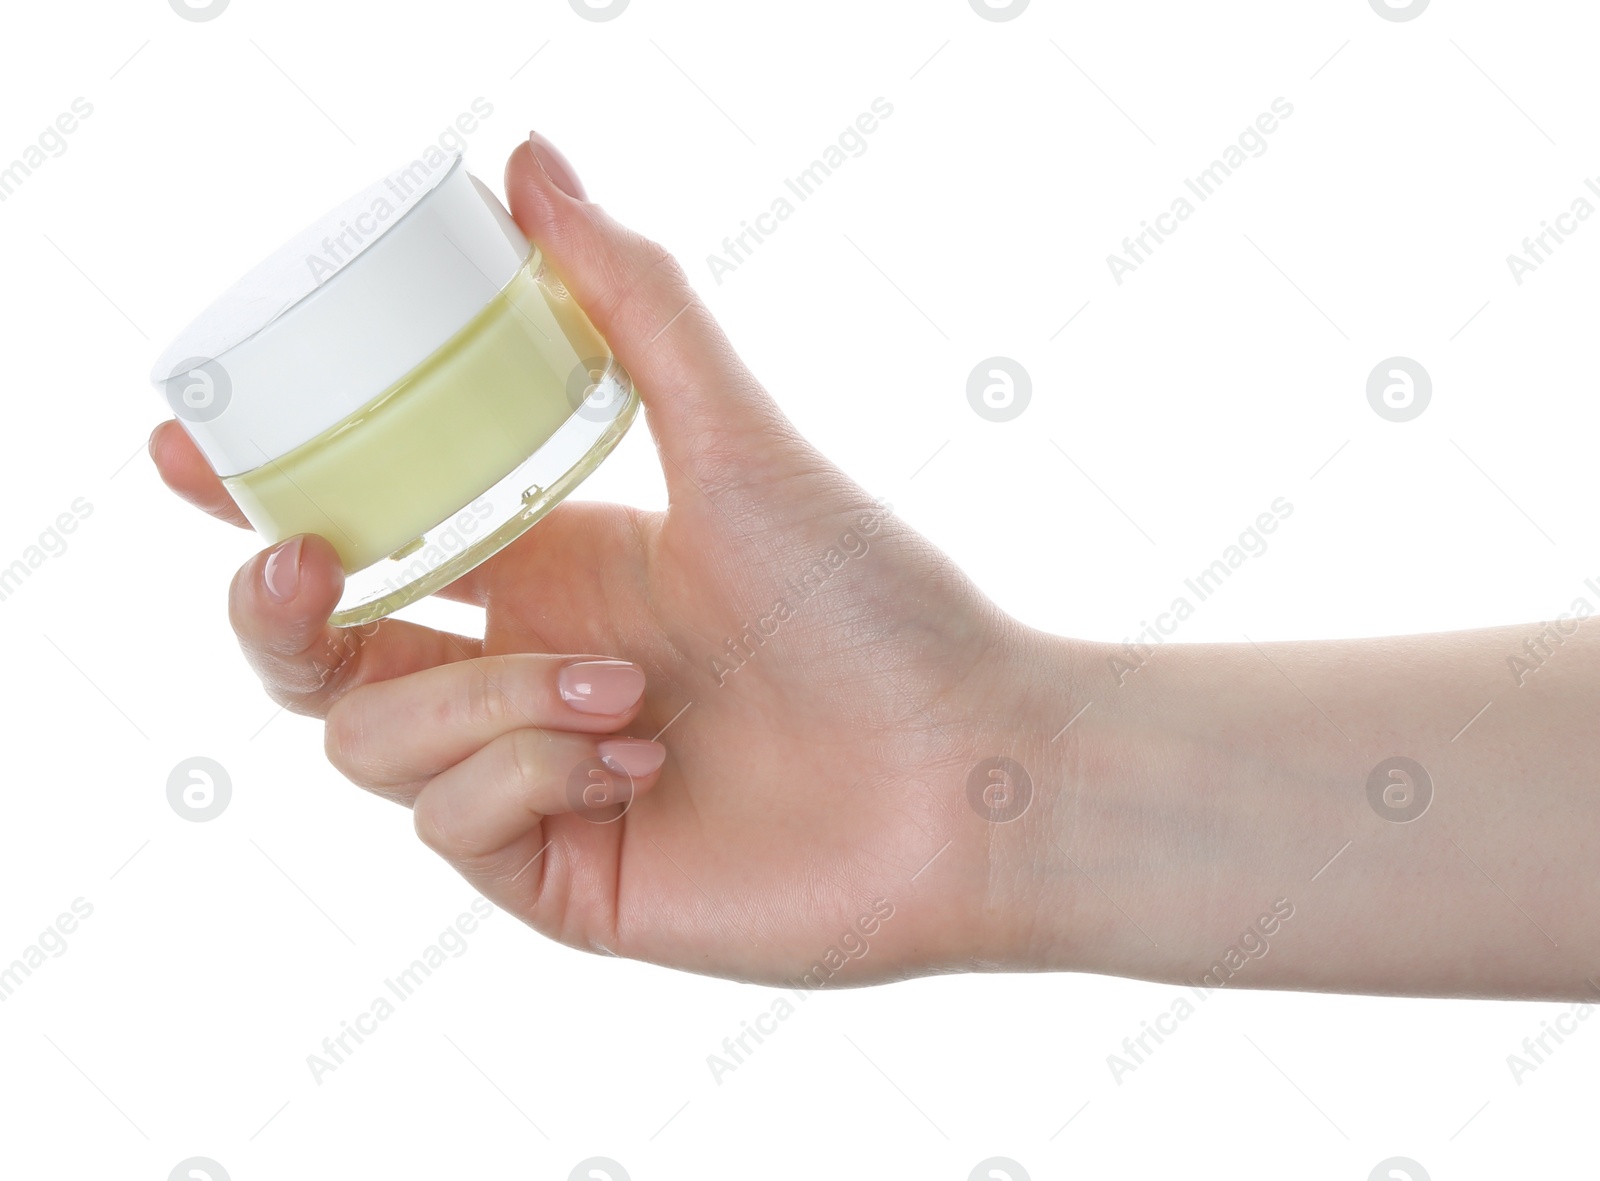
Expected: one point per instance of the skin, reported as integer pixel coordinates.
(806, 814)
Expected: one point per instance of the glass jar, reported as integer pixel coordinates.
(407, 379)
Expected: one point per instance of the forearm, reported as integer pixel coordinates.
(1217, 784)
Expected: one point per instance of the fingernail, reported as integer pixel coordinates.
(556, 167)
(633, 757)
(601, 686)
(282, 570)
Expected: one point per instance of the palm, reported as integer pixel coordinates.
(817, 754)
(783, 812)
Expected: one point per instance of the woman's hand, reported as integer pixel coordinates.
(789, 688)
(814, 784)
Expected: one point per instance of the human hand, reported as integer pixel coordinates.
(821, 680)
(828, 687)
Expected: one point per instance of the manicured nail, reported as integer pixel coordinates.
(601, 686)
(282, 570)
(633, 757)
(556, 167)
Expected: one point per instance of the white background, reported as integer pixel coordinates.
(1227, 371)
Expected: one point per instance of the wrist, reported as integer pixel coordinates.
(1084, 876)
(1035, 803)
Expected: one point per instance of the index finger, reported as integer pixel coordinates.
(184, 469)
(279, 605)
(186, 472)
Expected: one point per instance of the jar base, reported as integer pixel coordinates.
(493, 521)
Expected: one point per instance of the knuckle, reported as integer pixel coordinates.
(665, 265)
(649, 254)
(307, 678)
(344, 742)
(431, 826)
(485, 706)
(525, 762)
(656, 273)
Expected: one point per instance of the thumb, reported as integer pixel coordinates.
(715, 427)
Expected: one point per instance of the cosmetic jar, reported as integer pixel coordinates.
(406, 378)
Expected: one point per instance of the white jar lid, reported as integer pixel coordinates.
(339, 313)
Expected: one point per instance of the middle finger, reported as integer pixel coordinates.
(401, 732)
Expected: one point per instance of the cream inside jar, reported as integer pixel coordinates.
(405, 378)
